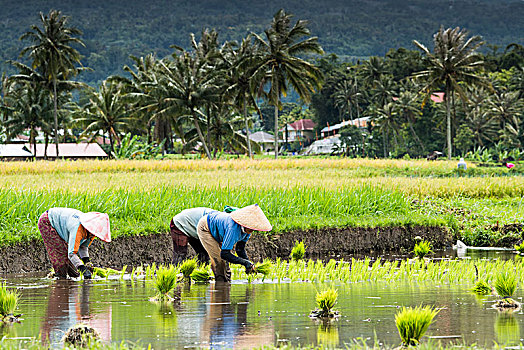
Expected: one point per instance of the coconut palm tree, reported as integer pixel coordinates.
(345, 96)
(190, 84)
(280, 64)
(31, 108)
(106, 112)
(454, 60)
(408, 106)
(386, 118)
(506, 107)
(52, 53)
(240, 61)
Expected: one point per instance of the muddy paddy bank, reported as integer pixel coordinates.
(136, 250)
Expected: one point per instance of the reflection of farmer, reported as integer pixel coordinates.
(67, 234)
(67, 305)
(184, 230)
(220, 232)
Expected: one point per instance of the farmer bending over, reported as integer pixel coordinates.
(220, 232)
(67, 234)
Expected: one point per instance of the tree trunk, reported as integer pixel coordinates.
(247, 130)
(448, 120)
(276, 131)
(45, 146)
(112, 145)
(33, 140)
(384, 143)
(55, 99)
(201, 136)
(415, 136)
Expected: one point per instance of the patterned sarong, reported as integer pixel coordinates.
(56, 249)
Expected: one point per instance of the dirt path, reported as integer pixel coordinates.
(136, 250)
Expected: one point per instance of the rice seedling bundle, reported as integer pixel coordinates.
(8, 300)
(412, 323)
(298, 251)
(506, 284)
(264, 267)
(165, 281)
(187, 267)
(81, 335)
(422, 249)
(327, 299)
(201, 274)
(482, 288)
(519, 247)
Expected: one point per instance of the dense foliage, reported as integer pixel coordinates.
(448, 96)
(113, 30)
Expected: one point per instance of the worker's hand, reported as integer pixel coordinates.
(85, 272)
(251, 269)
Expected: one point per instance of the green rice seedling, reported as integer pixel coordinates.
(506, 284)
(201, 274)
(264, 267)
(422, 249)
(412, 323)
(298, 251)
(519, 248)
(187, 267)
(326, 300)
(165, 282)
(100, 272)
(482, 288)
(8, 300)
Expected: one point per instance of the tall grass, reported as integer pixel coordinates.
(8, 300)
(412, 323)
(135, 212)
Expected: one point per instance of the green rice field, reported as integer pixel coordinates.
(142, 196)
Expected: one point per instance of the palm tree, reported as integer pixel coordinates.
(240, 61)
(106, 112)
(386, 117)
(190, 85)
(345, 96)
(280, 64)
(52, 53)
(372, 70)
(408, 106)
(454, 60)
(506, 107)
(30, 106)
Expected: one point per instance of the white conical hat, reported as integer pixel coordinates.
(97, 224)
(252, 217)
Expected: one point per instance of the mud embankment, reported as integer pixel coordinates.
(136, 250)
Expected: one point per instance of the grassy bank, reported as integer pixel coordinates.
(142, 196)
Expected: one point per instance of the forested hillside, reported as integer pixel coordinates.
(113, 30)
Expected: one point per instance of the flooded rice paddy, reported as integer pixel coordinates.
(242, 315)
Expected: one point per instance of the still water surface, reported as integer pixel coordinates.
(244, 315)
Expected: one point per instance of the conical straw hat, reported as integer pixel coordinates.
(252, 217)
(97, 224)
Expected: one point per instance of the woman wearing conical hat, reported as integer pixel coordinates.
(67, 235)
(219, 232)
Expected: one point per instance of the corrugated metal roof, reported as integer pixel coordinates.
(70, 150)
(261, 137)
(362, 121)
(302, 124)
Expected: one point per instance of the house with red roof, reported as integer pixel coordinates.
(301, 130)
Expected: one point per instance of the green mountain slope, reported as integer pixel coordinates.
(115, 29)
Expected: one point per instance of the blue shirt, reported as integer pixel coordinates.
(225, 230)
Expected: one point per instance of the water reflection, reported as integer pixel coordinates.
(327, 334)
(67, 305)
(507, 329)
(226, 324)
